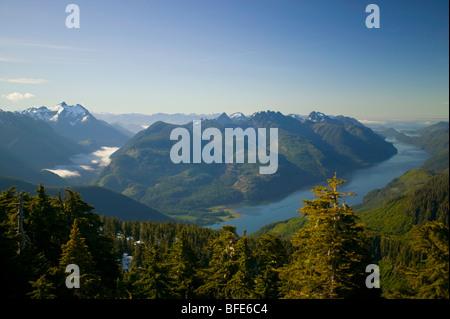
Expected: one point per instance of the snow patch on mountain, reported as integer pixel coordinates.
(238, 116)
(73, 114)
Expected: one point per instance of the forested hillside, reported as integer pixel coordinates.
(326, 258)
(433, 139)
(309, 151)
(105, 201)
(394, 217)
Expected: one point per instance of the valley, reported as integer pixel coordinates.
(229, 188)
(139, 196)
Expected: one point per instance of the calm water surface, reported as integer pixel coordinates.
(360, 182)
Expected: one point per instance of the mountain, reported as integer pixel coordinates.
(309, 151)
(433, 139)
(135, 122)
(105, 201)
(75, 122)
(27, 145)
(238, 117)
(411, 199)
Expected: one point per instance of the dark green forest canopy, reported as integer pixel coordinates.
(174, 260)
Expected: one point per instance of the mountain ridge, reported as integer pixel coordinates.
(77, 123)
(142, 168)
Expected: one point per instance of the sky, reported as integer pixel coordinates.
(212, 56)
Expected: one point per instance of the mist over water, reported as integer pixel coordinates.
(360, 181)
(82, 163)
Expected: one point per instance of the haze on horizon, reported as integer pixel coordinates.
(212, 56)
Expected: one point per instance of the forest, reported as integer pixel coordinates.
(326, 258)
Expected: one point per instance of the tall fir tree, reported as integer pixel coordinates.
(242, 283)
(42, 225)
(430, 279)
(332, 249)
(272, 256)
(222, 266)
(151, 280)
(183, 267)
(76, 252)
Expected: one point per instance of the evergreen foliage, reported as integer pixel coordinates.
(332, 249)
(325, 259)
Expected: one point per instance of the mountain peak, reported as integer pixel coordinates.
(317, 116)
(223, 118)
(61, 112)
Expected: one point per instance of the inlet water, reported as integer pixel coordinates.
(360, 181)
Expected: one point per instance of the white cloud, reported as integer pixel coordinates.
(64, 173)
(17, 96)
(24, 80)
(84, 162)
(371, 122)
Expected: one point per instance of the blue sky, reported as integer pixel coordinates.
(208, 56)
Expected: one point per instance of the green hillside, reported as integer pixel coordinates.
(28, 145)
(433, 139)
(308, 151)
(105, 201)
(392, 217)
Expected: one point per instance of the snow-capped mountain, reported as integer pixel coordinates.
(317, 116)
(238, 116)
(78, 124)
(298, 116)
(73, 114)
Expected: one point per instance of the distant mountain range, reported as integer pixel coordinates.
(311, 148)
(37, 139)
(433, 139)
(76, 123)
(135, 122)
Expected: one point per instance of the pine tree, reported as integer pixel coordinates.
(9, 265)
(75, 251)
(430, 280)
(42, 289)
(332, 249)
(151, 281)
(272, 256)
(184, 264)
(42, 225)
(241, 284)
(222, 265)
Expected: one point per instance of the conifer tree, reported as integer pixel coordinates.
(272, 256)
(9, 272)
(184, 265)
(222, 265)
(153, 281)
(42, 289)
(241, 284)
(430, 280)
(42, 225)
(75, 251)
(332, 249)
